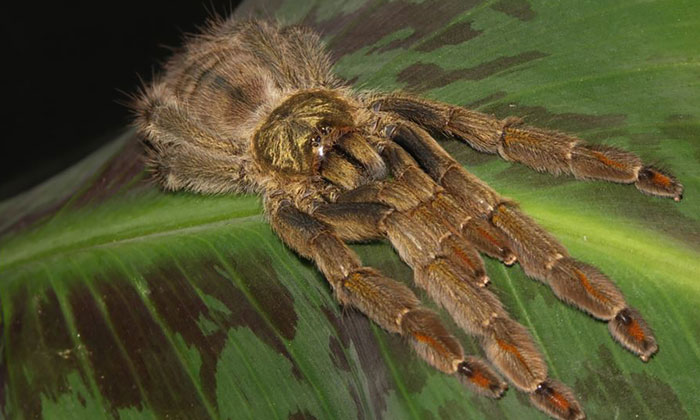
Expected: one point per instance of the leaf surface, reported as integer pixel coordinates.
(121, 300)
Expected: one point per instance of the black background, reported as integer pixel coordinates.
(68, 67)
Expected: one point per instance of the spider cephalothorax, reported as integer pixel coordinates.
(253, 106)
(295, 135)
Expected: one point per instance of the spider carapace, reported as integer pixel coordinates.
(253, 106)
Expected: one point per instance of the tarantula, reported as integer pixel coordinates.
(253, 106)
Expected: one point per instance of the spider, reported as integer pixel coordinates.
(253, 106)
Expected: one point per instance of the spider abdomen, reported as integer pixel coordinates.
(238, 71)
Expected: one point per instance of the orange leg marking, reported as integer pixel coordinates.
(661, 179)
(635, 331)
(601, 157)
(488, 237)
(512, 349)
(588, 287)
(479, 379)
(559, 400)
(463, 257)
(431, 342)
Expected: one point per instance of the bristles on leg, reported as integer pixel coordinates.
(654, 181)
(629, 328)
(431, 340)
(557, 400)
(480, 378)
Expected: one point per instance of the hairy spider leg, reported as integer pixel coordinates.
(542, 150)
(479, 232)
(539, 253)
(390, 304)
(183, 154)
(425, 230)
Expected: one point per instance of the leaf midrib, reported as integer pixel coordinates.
(109, 240)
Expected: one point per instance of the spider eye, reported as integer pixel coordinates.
(325, 130)
(316, 141)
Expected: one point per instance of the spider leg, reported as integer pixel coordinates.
(411, 201)
(475, 230)
(468, 222)
(542, 150)
(573, 281)
(182, 153)
(421, 228)
(388, 303)
(471, 194)
(538, 252)
(354, 222)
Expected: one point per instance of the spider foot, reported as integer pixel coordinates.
(510, 348)
(431, 340)
(630, 329)
(653, 181)
(557, 400)
(468, 258)
(489, 240)
(586, 287)
(479, 377)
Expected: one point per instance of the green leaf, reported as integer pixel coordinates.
(122, 300)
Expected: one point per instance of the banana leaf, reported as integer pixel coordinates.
(120, 300)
